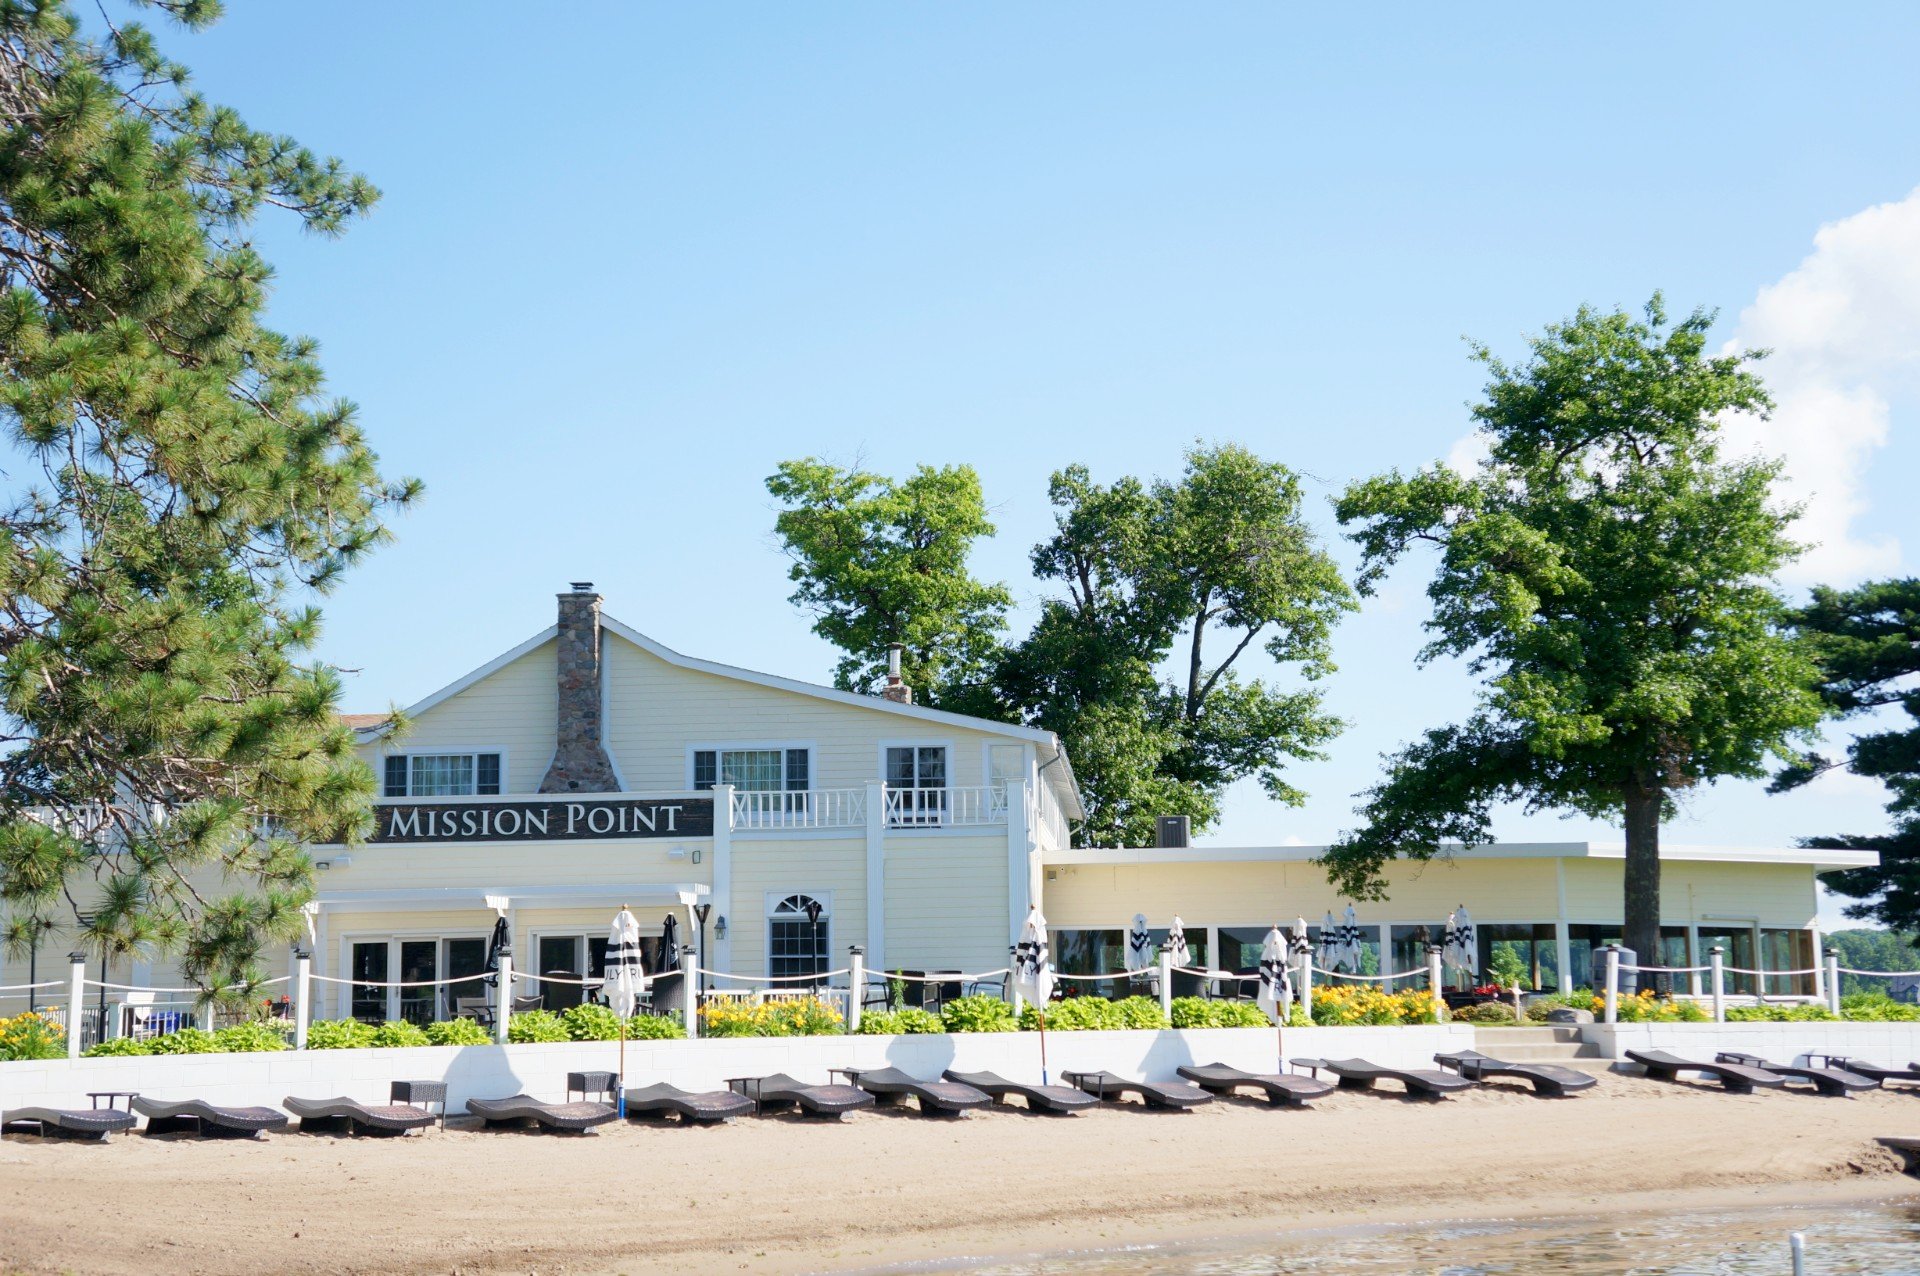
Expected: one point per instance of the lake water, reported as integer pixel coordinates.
(1882, 1238)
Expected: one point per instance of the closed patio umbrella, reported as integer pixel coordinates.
(624, 976)
(1350, 940)
(1177, 943)
(1462, 947)
(1033, 974)
(1332, 944)
(1275, 996)
(501, 941)
(1139, 944)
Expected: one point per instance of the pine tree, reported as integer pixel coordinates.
(176, 482)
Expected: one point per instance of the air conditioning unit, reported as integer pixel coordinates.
(1171, 832)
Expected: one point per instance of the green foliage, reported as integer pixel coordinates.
(244, 1038)
(339, 1034)
(655, 1028)
(185, 1041)
(1508, 968)
(1365, 1004)
(1090, 1014)
(1863, 949)
(457, 1032)
(1877, 1007)
(908, 1019)
(784, 1017)
(588, 1022)
(1607, 572)
(1487, 1012)
(178, 479)
(877, 562)
(30, 1035)
(537, 1025)
(1805, 1012)
(1198, 1012)
(398, 1033)
(977, 1013)
(118, 1048)
(1867, 641)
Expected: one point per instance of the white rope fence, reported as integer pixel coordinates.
(1826, 979)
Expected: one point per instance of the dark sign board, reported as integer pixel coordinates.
(541, 821)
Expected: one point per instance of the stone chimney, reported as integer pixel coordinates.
(895, 689)
(580, 763)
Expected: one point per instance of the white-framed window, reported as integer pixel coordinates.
(799, 936)
(414, 959)
(442, 774)
(771, 768)
(917, 777)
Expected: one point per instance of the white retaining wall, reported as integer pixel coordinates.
(1889, 1044)
(540, 1070)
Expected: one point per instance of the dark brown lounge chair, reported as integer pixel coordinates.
(1282, 1089)
(783, 1091)
(1834, 1082)
(1358, 1074)
(1038, 1098)
(937, 1098)
(709, 1108)
(209, 1121)
(1907, 1146)
(1861, 1068)
(67, 1123)
(1549, 1079)
(1736, 1077)
(561, 1118)
(1155, 1094)
(355, 1117)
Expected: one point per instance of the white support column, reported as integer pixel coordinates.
(1718, 978)
(1013, 989)
(1166, 984)
(302, 996)
(1306, 983)
(1693, 957)
(324, 967)
(856, 986)
(76, 1001)
(690, 990)
(1613, 983)
(877, 874)
(1019, 859)
(1562, 932)
(1832, 964)
(1819, 965)
(503, 1010)
(722, 889)
(1433, 982)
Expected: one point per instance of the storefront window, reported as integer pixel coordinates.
(1530, 947)
(1188, 985)
(1737, 950)
(1090, 952)
(1407, 956)
(1787, 950)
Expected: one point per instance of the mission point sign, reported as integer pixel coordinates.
(543, 821)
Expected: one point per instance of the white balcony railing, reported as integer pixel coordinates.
(847, 808)
(946, 808)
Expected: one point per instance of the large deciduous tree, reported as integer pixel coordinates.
(1606, 571)
(1867, 640)
(174, 479)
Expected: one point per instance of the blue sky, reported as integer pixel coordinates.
(630, 257)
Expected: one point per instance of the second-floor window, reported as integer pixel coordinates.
(917, 784)
(442, 774)
(752, 770)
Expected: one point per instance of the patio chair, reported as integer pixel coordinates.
(1738, 1078)
(67, 1123)
(1861, 1068)
(709, 1108)
(383, 1120)
(1281, 1089)
(209, 1121)
(782, 1091)
(557, 1118)
(1833, 1082)
(1359, 1074)
(1548, 1079)
(1154, 1094)
(1038, 1098)
(943, 1098)
(478, 1009)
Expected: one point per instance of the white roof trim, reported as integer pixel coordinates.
(475, 897)
(461, 683)
(1491, 851)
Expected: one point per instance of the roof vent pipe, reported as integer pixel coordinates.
(896, 690)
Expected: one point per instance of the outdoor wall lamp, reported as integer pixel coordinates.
(720, 928)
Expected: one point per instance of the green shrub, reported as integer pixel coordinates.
(1807, 1013)
(1096, 1014)
(1140, 1012)
(339, 1034)
(537, 1025)
(977, 1013)
(458, 1032)
(1198, 1012)
(119, 1047)
(801, 1017)
(588, 1022)
(396, 1033)
(1876, 1007)
(30, 1035)
(654, 1028)
(1489, 1012)
(185, 1041)
(907, 1019)
(245, 1038)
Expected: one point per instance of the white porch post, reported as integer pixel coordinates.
(856, 985)
(302, 996)
(1433, 982)
(1613, 983)
(76, 1001)
(1019, 859)
(690, 990)
(1562, 931)
(721, 896)
(1819, 965)
(1832, 962)
(1013, 988)
(877, 874)
(1166, 983)
(1717, 960)
(1306, 983)
(504, 1010)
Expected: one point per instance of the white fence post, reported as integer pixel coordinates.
(1833, 980)
(503, 1008)
(1014, 998)
(1306, 983)
(689, 976)
(302, 994)
(1433, 982)
(1613, 983)
(1166, 984)
(76, 1002)
(856, 985)
(1716, 958)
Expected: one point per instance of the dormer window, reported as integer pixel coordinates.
(442, 775)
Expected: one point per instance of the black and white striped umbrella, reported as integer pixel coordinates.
(1330, 950)
(625, 974)
(1350, 940)
(1275, 994)
(1177, 943)
(1139, 944)
(1461, 949)
(1033, 962)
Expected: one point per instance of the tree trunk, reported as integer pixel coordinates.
(1642, 933)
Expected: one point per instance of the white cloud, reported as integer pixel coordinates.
(1467, 454)
(1844, 330)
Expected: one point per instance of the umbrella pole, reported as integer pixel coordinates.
(1042, 1016)
(620, 1082)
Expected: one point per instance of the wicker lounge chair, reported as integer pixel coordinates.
(1736, 1077)
(1038, 1098)
(1155, 1094)
(1861, 1068)
(710, 1108)
(1281, 1089)
(197, 1116)
(937, 1098)
(1358, 1074)
(559, 1118)
(782, 1091)
(355, 1117)
(1834, 1082)
(67, 1123)
(1549, 1079)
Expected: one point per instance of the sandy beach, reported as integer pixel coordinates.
(785, 1194)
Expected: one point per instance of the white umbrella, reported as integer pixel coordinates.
(1350, 940)
(1300, 949)
(1177, 943)
(623, 977)
(1139, 944)
(1462, 949)
(1033, 974)
(1332, 949)
(1276, 985)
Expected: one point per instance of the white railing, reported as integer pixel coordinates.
(947, 808)
(800, 809)
(1049, 821)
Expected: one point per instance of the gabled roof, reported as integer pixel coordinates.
(1057, 770)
